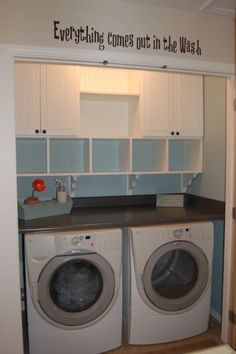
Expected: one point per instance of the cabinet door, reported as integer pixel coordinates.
(27, 98)
(188, 101)
(157, 104)
(59, 99)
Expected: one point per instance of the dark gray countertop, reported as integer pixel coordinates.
(110, 212)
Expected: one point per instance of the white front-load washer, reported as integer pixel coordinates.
(167, 288)
(74, 291)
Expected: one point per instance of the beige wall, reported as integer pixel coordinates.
(10, 323)
(211, 183)
(32, 23)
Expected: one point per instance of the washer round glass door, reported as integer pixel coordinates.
(175, 276)
(75, 290)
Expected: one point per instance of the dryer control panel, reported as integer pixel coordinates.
(190, 233)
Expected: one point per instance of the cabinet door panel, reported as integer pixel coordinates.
(109, 81)
(60, 99)
(188, 100)
(157, 104)
(27, 96)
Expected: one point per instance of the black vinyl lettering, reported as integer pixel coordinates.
(89, 35)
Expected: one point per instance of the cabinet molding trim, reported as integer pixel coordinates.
(115, 59)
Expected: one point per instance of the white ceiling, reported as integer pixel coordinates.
(219, 7)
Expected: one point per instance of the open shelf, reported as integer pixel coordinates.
(69, 155)
(91, 156)
(185, 155)
(31, 155)
(110, 155)
(109, 102)
(149, 155)
(106, 116)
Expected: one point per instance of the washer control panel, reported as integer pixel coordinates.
(74, 242)
(92, 242)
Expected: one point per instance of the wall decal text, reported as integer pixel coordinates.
(89, 35)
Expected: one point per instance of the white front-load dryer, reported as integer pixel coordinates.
(167, 288)
(74, 291)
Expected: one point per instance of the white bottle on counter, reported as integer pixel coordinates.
(61, 192)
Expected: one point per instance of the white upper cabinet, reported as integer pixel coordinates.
(155, 104)
(47, 99)
(172, 105)
(27, 98)
(110, 121)
(188, 103)
(60, 98)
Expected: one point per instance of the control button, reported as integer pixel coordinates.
(178, 233)
(81, 238)
(75, 241)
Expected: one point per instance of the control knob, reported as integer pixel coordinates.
(75, 241)
(178, 233)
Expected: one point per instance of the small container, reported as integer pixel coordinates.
(61, 194)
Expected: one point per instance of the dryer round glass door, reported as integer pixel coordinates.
(75, 290)
(175, 276)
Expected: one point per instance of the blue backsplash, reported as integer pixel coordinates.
(107, 185)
